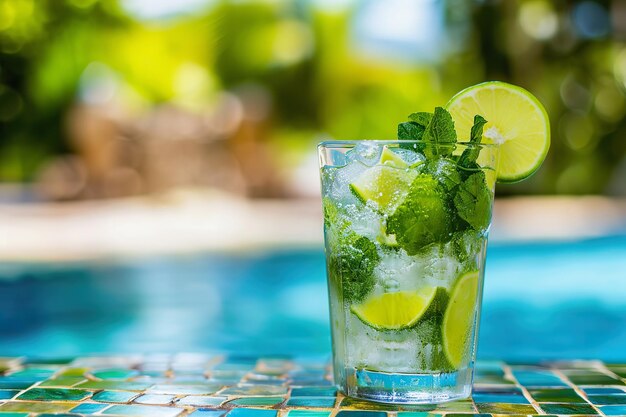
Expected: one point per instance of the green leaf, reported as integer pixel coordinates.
(422, 218)
(445, 171)
(477, 130)
(421, 118)
(410, 131)
(467, 161)
(440, 131)
(473, 201)
(351, 265)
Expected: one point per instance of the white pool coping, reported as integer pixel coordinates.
(195, 221)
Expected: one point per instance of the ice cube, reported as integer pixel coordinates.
(336, 182)
(389, 351)
(399, 270)
(366, 152)
(441, 265)
(410, 157)
(364, 220)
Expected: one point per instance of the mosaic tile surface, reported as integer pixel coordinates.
(217, 386)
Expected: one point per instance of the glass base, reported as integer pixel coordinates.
(395, 388)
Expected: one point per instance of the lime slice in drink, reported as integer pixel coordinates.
(400, 310)
(516, 121)
(383, 184)
(389, 157)
(458, 319)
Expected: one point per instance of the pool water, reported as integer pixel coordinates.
(541, 301)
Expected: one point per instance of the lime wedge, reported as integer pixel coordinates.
(389, 157)
(400, 310)
(458, 319)
(383, 184)
(516, 121)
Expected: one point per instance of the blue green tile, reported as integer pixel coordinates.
(568, 409)
(58, 415)
(89, 408)
(38, 407)
(143, 410)
(256, 401)
(37, 373)
(497, 398)
(602, 391)
(178, 389)
(359, 413)
(614, 410)
(499, 408)
(54, 394)
(6, 394)
(255, 390)
(62, 381)
(251, 412)
(114, 396)
(313, 402)
(307, 413)
(358, 404)
(154, 399)
(8, 414)
(208, 413)
(556, 395)
(115, 373)
(75, 372)
(314, 392)
(9, 382)
(535, 379)
(591, 378)
(414, 414)
(615, 399)
(115, 385)
(201, 401)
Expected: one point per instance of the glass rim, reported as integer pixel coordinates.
(354, 142)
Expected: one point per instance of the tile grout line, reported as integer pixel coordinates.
(575, 387)
(509, 372)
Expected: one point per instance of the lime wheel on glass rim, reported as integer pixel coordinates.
(516, 121)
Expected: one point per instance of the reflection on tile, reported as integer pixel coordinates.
(246, 389)
(154, 399)
(256, 401)
(202, 412)
(143, 410)
(201, 401)
(175, 389)
(251, 412)
(7, 394)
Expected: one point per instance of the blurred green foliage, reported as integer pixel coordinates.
(570, 54)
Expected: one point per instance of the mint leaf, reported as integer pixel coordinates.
(422, 217)
(351, 265)
(445, 171)
(477, 130)
(440, 131)
(467, 161)
(410, 131)
(473, 201)
(421, 118)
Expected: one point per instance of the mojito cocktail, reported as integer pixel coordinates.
(406, 225)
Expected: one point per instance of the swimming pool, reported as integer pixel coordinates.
(542, 301)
